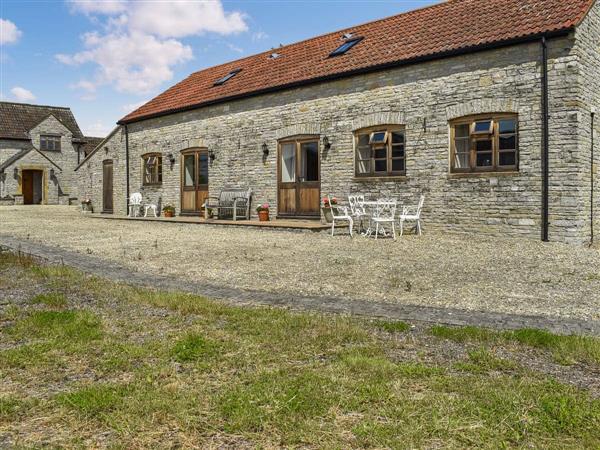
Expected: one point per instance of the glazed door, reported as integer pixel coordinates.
(107, 187)
(194, 181)
(299, 178)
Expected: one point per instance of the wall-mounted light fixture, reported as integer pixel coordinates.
(16, 172)
(326, 143)
(171, 159)
(265, 149)
(52, 174)
(211, 155)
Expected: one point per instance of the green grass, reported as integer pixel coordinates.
(53, 299)
(151, 369)
(565, 349)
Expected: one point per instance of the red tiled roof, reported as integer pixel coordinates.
(440, 29)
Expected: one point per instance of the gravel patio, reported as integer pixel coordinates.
(459, 271)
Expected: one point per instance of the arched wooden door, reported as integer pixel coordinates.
(194, 180)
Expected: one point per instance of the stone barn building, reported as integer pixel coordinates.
(40, 146)
(486, 108)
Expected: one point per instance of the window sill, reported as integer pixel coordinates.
(459, 175)
(381, 178)
(152, 184)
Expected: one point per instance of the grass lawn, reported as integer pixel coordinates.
(87, 362)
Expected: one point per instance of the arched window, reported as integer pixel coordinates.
(152, 169)
(380, 151)
(484, 143)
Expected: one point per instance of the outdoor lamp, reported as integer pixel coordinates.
(326, 143)
(265, 149)
(211, 155)
(52, 174)
(16, 172)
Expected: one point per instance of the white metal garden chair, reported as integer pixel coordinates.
(357, 209)
(385, 216)
(340, 213)
(412, 213)
(135, 203)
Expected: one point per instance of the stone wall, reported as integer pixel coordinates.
(421, 97)
(587, 49)
(90, 173)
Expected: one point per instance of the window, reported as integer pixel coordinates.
(346, 46)
(227, 77)
(380, 152)
(480, 144)
(152, 168)
(50, 143)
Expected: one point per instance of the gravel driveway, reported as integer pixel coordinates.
(466, 272)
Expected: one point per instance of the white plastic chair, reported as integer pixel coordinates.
(135, 202)
(412, 213)
(340, 213)
(357, 209)
(385, 214)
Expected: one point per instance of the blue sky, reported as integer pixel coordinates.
(103, 58)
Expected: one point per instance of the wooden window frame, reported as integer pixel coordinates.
(388, 145)
(494, 136)
(156, 179)
(56, 138)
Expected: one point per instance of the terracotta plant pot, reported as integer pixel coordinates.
(168, 213)
(263, 216)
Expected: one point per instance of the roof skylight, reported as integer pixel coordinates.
(346, 46)
(227, 77)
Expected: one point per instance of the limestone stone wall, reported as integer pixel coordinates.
(10, 185)
(587, 49)
(421, 97)
(89, 175)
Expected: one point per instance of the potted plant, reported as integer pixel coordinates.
(326, 208)
(263, 212)
(169, 211)
(86, 205)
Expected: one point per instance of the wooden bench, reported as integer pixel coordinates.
(230, 204)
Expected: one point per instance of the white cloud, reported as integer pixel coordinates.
(132, 62)
(97, 6)
(9, 33)
(96, 129)
(132, 106)
(21, 94)
(259, 36)
(137, 49)
(179, 19)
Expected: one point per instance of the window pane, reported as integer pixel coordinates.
(203, 168)
(398, 151)
(363, 140)
(380, 152)
(188, 170)
(378, 137)
(507, 126)
(364, 153)
(363, 167)
(508, 142)
(310, 161)
(397, 138)
(381, 165)
(288, 163)
(462, 131)
(483, 145)
(507, 158)
(461, 160)
(398, 165)
(484, 159)
(484, 126)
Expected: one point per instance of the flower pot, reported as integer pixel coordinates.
(87, 208)
(168, 213)
(263, 216)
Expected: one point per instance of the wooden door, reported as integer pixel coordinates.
(299, 178)
(27, 186)
(194, 181)
(107, 187)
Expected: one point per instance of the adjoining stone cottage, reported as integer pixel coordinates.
(40, 146)
(485, 107)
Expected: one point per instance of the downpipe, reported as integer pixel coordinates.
(545, 141)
